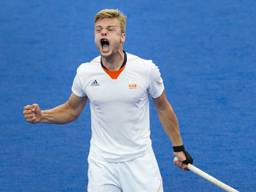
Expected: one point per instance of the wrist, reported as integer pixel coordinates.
(43, 117)
(178, 148)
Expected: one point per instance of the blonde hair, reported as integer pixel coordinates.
(112, 14)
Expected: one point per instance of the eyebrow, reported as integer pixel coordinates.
(107, 26)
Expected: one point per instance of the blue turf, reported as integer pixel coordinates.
(206, 51)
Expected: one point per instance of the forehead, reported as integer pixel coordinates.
(107, 22)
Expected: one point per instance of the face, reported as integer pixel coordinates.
(108, 36)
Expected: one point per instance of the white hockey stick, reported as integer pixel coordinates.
(210, 178)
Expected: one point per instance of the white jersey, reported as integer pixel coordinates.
(119, 107)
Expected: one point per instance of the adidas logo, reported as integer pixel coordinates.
(95, 83)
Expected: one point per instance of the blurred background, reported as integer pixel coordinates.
(206, 52)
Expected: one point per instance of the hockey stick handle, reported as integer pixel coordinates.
(210, 178)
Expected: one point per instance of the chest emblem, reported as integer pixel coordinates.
(132, 85)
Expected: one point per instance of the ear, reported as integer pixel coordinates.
(123, 35)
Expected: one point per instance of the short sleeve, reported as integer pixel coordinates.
(77, 88)
(156, 85)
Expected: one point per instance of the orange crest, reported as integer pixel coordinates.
(132, 85)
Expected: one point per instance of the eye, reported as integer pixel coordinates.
(98, 29)
(110, 28)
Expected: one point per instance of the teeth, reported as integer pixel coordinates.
(104, 41)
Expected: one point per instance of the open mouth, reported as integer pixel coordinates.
(104, 44)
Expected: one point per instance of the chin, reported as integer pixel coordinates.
(106, 54)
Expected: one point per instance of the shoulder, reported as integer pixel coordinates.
(89, 67)
(140, 63)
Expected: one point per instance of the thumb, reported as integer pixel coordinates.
(36, 108)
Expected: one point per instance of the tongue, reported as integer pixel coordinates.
(105, 48)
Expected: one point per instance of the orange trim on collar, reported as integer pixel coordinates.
(114, 74)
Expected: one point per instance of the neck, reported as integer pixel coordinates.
(113, 62)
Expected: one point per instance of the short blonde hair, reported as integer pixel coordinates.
(112, 13)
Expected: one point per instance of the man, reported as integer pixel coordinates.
(117, 85)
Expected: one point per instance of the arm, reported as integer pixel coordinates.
(170, 124)
(168, 119)
(61, 114)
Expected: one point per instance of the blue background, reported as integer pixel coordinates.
(206, 51)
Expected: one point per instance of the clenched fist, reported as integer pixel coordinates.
(32, 113)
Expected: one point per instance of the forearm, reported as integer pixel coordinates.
(58, 115)
(170, 124)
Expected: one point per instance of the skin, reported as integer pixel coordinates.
(110, 29)
(112, 59)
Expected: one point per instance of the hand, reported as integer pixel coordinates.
(32, 113)
(181, 157)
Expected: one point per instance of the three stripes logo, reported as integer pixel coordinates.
(95, 83)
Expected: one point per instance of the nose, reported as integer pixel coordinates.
(104, 32)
